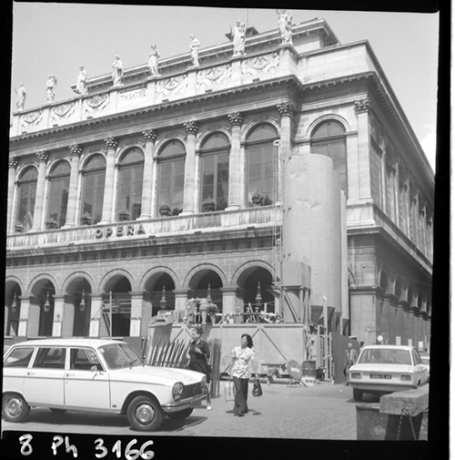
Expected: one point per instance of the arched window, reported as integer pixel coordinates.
(215, 170)
(26, 198)
(93, 189)
(58, 196)
(131, 173)
(261, 164)
(171, 175)
(329, 139)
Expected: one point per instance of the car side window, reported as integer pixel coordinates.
(20, 357)
(417, 358)
(84, 359)
(50, 358)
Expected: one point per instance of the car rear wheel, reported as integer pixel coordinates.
(57, 411)
(144, 414)
(15, 408)
(357, 395)
(181, 414)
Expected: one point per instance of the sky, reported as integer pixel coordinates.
(53, 38)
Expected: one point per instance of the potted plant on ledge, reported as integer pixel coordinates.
(257, 199)
(51, 224)
(124, 215)
(164, 210)
(86, 219)
(19, 228)
(208, 205)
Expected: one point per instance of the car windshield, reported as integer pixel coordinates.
(118, 356)
(386, 356)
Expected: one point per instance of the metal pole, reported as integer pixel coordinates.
(110, 315)
(326, 323)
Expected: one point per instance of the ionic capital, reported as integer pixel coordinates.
(362, 105)
(111, 142)
(285, 108)
(149, 135)
(235, 118)
(42, 156)
(75, 149)
(191, 127)
(13, 162)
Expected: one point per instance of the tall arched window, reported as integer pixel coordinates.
(131, 169)
(58, 196)
(261, 164)
(215, 170)
(26, 197)
(329, 139)
(171, 174)
(93, 189)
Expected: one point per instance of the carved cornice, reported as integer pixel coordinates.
(149, 135)
(362, 105)
(285, 108)
(235, 118)
(42, 156)
(13, 162)
(191, 127)
(111, 142)
(75, 149)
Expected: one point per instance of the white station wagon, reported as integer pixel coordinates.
(96, 375)
(382, 369)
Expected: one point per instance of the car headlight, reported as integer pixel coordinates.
(355, 375)
(405, 377)
(177, 390)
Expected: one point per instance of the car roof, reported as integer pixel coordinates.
(70, 342)
(383, 347)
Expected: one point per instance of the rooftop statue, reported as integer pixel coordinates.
(153, 60)
(117, 73)
(20, 98)
(81, 84)
(50, 88)
(285, 25)
(194, 47)
(238, 35)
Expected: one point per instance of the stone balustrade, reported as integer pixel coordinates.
(178, 225)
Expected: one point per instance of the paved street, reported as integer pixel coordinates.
(323, 411)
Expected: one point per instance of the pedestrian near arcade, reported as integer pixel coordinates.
(351, 358)
(199, 353)
(242, 357)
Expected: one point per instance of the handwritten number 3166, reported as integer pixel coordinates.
(130, 454)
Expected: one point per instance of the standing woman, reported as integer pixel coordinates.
(241, 358)
(199, 353)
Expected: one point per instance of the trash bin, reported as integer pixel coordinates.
(309, 369)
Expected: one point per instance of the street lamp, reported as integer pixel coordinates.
(258, 299)
(209, 293)
(47, 305)
(82, 304)
(14, 304)
(163, 299)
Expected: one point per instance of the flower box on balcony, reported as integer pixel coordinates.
(86, 219)
(257, 199)
(165, 210)
(208, 205)
(51, 224)
(124, 215)
(19, 228)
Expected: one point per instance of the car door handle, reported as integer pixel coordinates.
(70, 374)
(30, 373)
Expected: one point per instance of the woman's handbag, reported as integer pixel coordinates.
(229, 391)
(257, 389)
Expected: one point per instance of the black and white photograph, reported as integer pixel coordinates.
(220, 231)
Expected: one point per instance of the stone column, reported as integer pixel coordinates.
(136, 313)
(59, 302)
(30, 314)
(286, 110)
(147, 186)
(154, 185)
(181, 300)
(111, 144)
(236, 169)
(13, 162)
(5, 329)
(72, 196)
(39, 200)
(190, 170)
(362, 108)
(68, 317)
(95, 315)
(229, 300)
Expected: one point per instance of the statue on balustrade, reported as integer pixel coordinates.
(238, 38)
(50, 88)
(194, 48)
(153, 61)
(285, 26)
(117, 73)
(81, 84)
(20, 98)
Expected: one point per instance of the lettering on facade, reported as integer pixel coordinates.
(119, 231)
(131, 95)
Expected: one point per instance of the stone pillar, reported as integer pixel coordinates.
(68, 317)
(30, 315)
(286, 110)
(229, 300)
(362, 108)
(5, 328)
(59, 302)
(111, 144)
(147, 186)
(181, 300)
(39, 200)
(190, 170)
(136, 313)
(73, 191)
(13, 162)
(154, 186)
(236, 169)
(352, 159)
(95, 315)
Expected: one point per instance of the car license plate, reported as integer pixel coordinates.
(194, 404)
(380, 376)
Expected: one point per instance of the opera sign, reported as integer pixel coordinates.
(119, 231)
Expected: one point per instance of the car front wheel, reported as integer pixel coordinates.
(181, 414)
(15, 409)
(357, 395)
(144, 414)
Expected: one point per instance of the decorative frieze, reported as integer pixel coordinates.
(13, 162)
(31, 119)
(61, 111)
(285, 108)
(214, 76)
(362, 105)
(96, 103)
(260, 64)
(42, 156)
(235, 118)
(149, 135)
(111, 142)
(191, 127)
(75, 149)
(172, 85)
